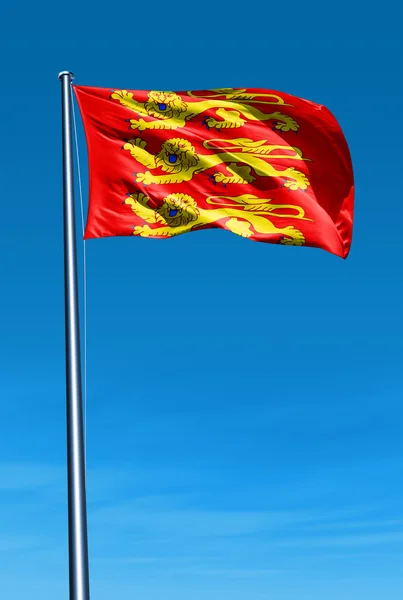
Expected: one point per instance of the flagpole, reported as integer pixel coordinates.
(77, 510)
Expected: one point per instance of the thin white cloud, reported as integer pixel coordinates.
(28, 476)
(149, 511)
(10, 542)
(233, 573)
(348, 525)
(345, 540)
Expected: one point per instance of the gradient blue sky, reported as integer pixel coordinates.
(244, 400)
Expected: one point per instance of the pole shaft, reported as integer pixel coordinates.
(77, 512)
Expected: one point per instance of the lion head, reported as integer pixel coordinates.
(164, 105)
(176, 155)
(176, 210)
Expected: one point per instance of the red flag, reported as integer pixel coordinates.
(263, 164)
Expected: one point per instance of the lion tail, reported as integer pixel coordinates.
(240, 95)
(255, 147)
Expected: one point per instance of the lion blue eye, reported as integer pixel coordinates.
(173, 212)
(162, 106)
(173, 158)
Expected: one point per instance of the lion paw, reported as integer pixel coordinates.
(141, 125)
(145, 178)
(209, 123)
(217, 177)
(230, 119)
(122, 95)
(294, 237)
(239, 227)
(300, 182)
(138, 143)
(284, 123)
(143, 230)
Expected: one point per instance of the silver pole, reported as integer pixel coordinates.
(78, 544)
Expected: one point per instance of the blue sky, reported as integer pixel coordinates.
(244, 400)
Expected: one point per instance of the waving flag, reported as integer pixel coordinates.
(263, 164)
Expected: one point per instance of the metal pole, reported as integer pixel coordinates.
(78, 544)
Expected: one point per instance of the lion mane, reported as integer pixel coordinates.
(164, 105)
(176, 210)
(176, 155)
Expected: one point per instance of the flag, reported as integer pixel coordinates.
(263, 164)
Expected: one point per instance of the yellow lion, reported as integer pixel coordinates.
(169, 111)
(179, 159)
(179, 213)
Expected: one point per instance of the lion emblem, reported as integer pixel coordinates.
(168, 110)
(245, 215)
(180, 162)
